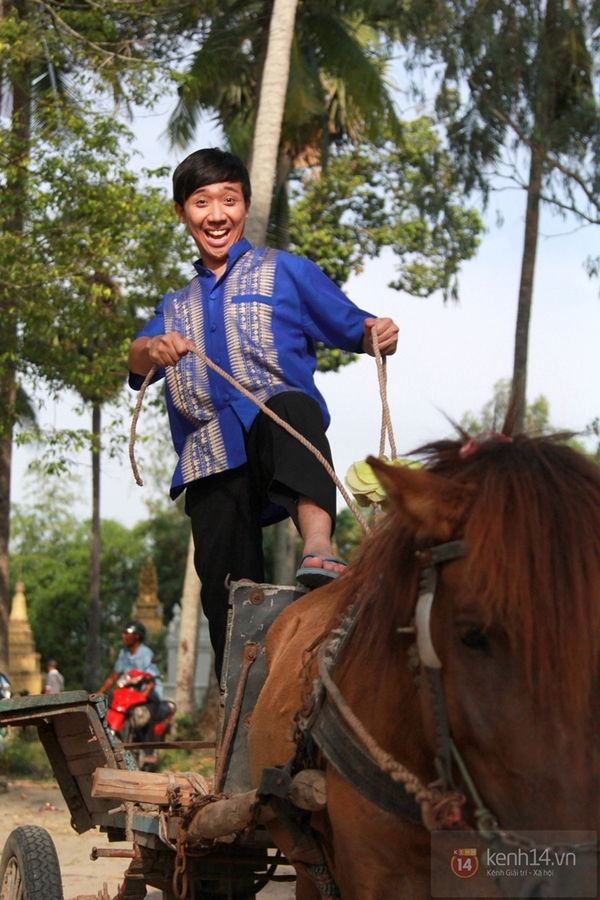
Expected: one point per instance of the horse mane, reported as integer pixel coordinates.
(533, 563)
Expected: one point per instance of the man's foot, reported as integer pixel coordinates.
(320, 570)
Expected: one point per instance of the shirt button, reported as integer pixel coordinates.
(226, 398)
(217, 359)
(213, 327)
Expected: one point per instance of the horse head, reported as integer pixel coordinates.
(470, 667)
(515, 623)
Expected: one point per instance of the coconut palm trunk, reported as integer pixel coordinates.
(188, 637)
(93, 656)
(267, 129)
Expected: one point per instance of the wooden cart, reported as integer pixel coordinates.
(82, 750)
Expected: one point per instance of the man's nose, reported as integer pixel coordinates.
(216, 212)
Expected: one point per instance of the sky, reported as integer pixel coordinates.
(449, 355)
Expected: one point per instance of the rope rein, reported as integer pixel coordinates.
(386, 419)
(386, 424)
(440, 809)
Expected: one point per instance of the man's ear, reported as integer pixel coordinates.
(248, 205)
(181, 213)
(434, 506)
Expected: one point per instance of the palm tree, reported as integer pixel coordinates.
(269, 117)
(336, 85)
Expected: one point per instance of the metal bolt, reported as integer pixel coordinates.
(256, 596)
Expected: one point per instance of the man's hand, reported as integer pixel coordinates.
(168, 349)
(149, 686)
(387, 335)
(162, 350)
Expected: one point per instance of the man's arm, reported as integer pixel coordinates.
(387, 335)
(162, 350)
(108, 682)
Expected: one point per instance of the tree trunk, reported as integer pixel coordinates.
(280, 552)
(93, 660)
(5, 464)
(269, 116)
(283, 570)
(188, 637)
(526, 287)
(12, 218)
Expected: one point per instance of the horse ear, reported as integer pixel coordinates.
(433, 505)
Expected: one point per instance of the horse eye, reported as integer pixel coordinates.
(475, 638)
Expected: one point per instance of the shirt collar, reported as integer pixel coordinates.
(235, 251)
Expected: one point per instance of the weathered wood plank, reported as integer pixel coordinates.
(143, 787)
(80, 746)
(70, 790)
(70, 724)
(85, 765)
(94, 804)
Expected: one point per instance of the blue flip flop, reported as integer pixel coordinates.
(313, 577)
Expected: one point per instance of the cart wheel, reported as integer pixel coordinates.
(29, 869)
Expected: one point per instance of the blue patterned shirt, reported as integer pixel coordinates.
(258, 322)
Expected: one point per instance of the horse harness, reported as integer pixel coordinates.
(321, 725)
(328, 724)
(354, 753)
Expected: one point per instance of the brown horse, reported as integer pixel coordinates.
(515, 624)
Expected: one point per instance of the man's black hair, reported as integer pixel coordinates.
(209, 166)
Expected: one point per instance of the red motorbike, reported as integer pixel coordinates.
(135, 719)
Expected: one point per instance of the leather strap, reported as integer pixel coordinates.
(356, 765)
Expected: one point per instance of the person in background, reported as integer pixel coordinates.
(54, 682)
(135, 655)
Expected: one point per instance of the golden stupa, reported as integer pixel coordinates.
(23, 661)
(148, 608)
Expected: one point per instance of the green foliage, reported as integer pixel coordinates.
(336, 83)
(98, 242)
(24, 756)
(168, 533)
(186, 761)
(492, 414)
(52, 550)
(403, 195)
(537, 418)
(518, 75)
(105, 46)
(349, 533)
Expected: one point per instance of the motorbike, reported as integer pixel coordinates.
(131, 719)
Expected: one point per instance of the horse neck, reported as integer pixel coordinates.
(385, 696)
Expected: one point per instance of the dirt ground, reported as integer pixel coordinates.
(32, 803)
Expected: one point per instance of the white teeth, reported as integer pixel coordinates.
(217, 234)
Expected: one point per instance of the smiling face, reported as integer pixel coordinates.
(215, 216)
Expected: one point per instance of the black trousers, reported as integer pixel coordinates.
(226, 509)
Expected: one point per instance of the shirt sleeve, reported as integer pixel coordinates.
(145, 662)
(120, 665)
(154, 326)
(328, 315)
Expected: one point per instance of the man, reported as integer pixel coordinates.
(256, 312)
(135, 655)
(54, 683)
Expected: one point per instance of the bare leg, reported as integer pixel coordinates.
(315, 529)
